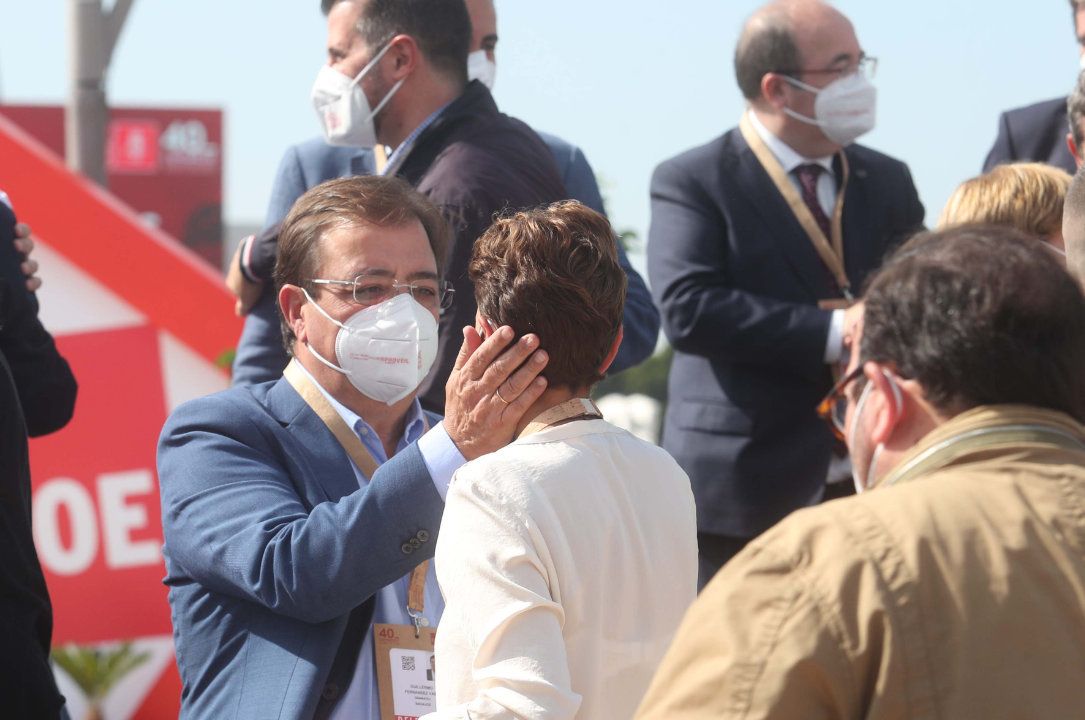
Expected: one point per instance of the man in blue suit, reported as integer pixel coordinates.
(1037, 133)
(259, 354)
(293, 511)
(757, 241)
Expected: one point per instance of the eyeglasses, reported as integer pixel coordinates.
(369, 290)
(834, 406)
(866, 66)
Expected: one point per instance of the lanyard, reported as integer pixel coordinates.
(364, 461)
(830, 250)
(568, 410)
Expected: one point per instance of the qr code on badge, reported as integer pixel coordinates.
(408, 663)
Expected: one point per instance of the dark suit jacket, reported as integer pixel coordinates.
(271, 549)
(737, 282)
(474, 162)
(1033, 133)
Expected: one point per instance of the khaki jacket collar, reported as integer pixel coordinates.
(964, 435)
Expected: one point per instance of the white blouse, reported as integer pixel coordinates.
(567, 561)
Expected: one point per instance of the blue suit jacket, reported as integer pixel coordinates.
(738, 281)
(270, 545)
(260, 355)
(1033, 133)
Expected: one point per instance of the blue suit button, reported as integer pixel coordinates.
(406, 548)
(423, 535)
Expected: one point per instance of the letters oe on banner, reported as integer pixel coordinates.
(97, 521)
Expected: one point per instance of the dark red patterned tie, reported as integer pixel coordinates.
(808, 180)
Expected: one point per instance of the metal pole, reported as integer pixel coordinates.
(94, 35)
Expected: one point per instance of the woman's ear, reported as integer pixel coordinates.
(484, 327)
(613, 352)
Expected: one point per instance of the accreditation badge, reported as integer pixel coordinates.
(406, 666)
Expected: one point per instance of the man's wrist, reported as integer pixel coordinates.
(834, 343)
(441, 455)
(244, 259)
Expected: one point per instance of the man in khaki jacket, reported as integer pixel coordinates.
(956, 589)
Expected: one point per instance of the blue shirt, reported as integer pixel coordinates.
(361, 700)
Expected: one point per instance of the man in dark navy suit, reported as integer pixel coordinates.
(758, 240)
(1038, 132)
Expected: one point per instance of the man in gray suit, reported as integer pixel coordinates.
(259, 354)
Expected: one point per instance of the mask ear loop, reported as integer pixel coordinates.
(808, 88)
(309, 347)
(321, 310)
(369, 65)
(898, 400)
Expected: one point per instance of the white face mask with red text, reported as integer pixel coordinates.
(343, 108)
(385, 350)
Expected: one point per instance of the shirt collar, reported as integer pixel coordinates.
(413, 428)
(785, 155)
(404, 148)
(954, 441)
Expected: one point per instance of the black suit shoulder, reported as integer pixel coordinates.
(1034, 133)
(702, 157)
(699, 175)
(872, 157)
(1043, 111)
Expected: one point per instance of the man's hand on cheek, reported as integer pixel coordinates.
(491, 386)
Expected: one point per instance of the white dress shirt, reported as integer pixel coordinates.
(567, 560)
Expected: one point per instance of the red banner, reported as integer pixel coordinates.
(97, 520)
(165, 163)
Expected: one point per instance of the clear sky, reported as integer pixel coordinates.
(632, 82)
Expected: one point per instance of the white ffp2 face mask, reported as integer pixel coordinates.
(481, 68)
(385, 350)
(844, 109)
(343, 108)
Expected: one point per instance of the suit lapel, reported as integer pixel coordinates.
(784, 229)
(326, 464)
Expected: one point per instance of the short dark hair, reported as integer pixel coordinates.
(442, 28)
(554, 271)
(368, 200)
(767, 45)
(979, 315)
